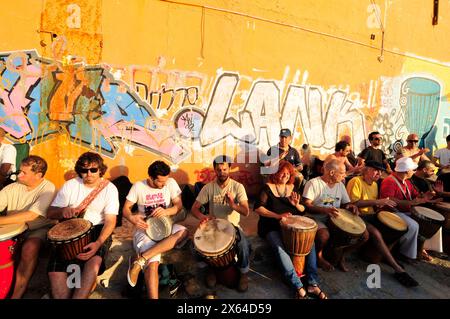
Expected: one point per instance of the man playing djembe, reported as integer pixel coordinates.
(95, 199)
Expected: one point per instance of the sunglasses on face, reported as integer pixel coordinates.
(377, 138)
(85, 170)
(413, 141)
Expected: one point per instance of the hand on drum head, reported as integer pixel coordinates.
(352, 208)
(159, 212)
(287, 214)
(139, 222)
(204, 220)
(69, 212)
(90, 250)
(331, 211)
(382, 202)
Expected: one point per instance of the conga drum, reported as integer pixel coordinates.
(8, 234)
(346, 229)
(429, 220)
(392, 227)
(215, 241)
(159, 228)
(444, 209)
(298, 233)
(70, 237)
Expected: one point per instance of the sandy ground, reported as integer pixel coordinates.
(265, 279)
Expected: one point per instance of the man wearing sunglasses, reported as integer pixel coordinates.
(373, 152)
(101, 211)
(412, 150)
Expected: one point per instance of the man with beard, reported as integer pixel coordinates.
(373, 152)
(227, 200)
(157, 196)
(26, 201)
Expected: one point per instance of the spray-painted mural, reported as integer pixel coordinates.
(185, 112)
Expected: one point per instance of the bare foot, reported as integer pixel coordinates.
(325, 265)
(425, 256)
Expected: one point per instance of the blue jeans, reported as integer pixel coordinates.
(243, 253)
(285, 261)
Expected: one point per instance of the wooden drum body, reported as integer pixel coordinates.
(7, 245)
(429, 220)
(70, 237)
(444, 209)
(346, 229)
(298, 233)
(216, 242)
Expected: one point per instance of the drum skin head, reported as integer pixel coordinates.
(159, 228)
(443, 205)
(214, 236)
(298, 222)
(428, 213)
(349, 222)
(392, 220)
(11, 230)
(69, 229)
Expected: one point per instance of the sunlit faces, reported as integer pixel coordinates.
(159, 181)
(26, 176)
(345, 151)
(376, 140)
(284, 176)
(338, 175)
(285, 141)
(90, 173)
(222, 172)
(373, 174)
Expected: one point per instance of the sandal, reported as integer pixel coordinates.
(405, 279)
(317, 293)
(299, 295)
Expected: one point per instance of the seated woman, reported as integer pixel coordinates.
(278, 200)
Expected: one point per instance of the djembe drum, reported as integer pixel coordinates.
(8, 240)
(298, 233)
(346, 229)
(70, 237)
(392, 227)
(429, 220)
(159, 228)
(444, 209)
(215, 241)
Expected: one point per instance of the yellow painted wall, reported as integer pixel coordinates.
(311, 64)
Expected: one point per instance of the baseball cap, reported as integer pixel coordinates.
(405, 164)
(285, 132)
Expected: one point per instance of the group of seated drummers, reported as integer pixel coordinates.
(310, 218)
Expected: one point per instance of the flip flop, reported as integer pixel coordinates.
(298, 296)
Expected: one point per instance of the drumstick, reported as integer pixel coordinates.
(259, 274)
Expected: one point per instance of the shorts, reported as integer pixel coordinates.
(142, 243)
(320, 219)
(57, 264)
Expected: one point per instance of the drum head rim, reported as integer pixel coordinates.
(289, 226)
(232, 241)
(165, 220)
(53, 238)
(417, 213)
(14, 230)
(396, 217)
(359, 220)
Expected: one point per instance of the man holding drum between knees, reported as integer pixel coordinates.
(363, 192)
(26, 201)
(227, 200)
(95, 199)
(322, 197)
(399, 188)
(159, 196)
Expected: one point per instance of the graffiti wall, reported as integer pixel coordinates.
(188, 80)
